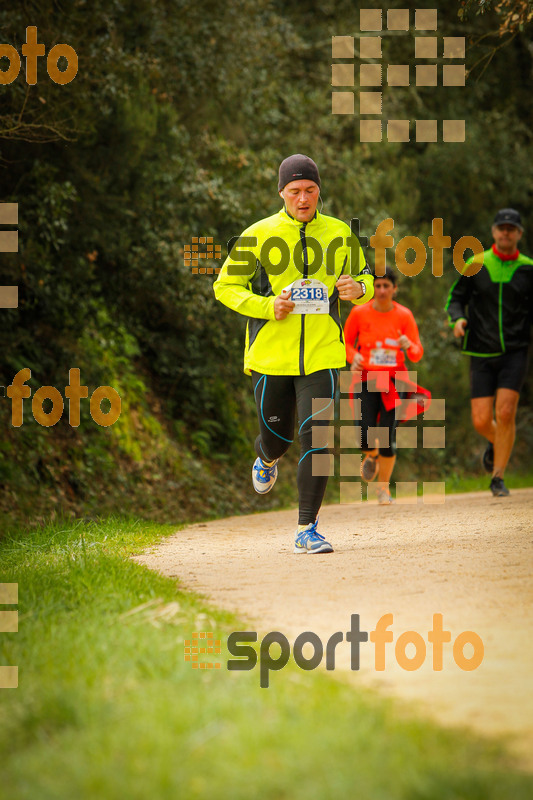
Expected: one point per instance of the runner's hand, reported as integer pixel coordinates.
(459, 328)
(404, 342)
(282, 305)
(357, 362)
(348, 288)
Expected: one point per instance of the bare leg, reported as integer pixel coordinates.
(386, 465)
(506, 405)
(483, 416)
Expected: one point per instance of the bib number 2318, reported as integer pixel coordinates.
(310, 296)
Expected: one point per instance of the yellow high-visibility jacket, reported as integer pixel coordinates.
(267, 258)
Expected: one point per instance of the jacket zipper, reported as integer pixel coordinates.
(500, 310)
(302, 329)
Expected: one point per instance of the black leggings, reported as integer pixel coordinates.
(372, 407)
(277, 398)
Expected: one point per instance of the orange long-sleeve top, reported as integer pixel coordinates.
(375, 335)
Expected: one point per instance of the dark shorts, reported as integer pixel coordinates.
(508, 371)
(374, 414)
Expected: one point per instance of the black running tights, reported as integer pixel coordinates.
(278, 397)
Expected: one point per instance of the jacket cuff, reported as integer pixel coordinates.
(368, 282)
(451, 322)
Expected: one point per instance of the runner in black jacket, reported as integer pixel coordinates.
(492, 311)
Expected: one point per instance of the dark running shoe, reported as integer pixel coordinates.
(369, 468)
(488, 458)
(498, 488)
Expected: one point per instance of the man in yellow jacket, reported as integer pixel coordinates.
(287, 273)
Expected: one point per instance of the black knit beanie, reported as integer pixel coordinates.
(296, 168)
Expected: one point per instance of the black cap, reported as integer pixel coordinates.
(297, 168)
(508, 216)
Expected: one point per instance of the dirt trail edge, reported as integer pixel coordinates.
(469, 559)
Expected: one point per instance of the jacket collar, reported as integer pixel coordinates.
(285, 214)
(503, 256)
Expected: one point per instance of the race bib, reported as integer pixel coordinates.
(310, 296)
(383, 357)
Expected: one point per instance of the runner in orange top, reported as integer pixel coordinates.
(377, 336)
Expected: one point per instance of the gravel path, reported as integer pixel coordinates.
(468, 559)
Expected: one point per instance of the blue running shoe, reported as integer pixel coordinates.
(310, 541)
(263, 477)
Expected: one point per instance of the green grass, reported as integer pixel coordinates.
(480, 483)
(107, 708)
